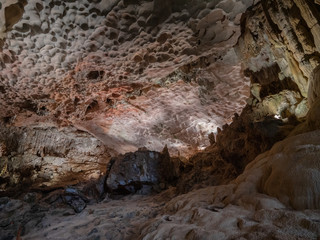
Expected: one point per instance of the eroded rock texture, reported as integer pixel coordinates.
(240, 209)
(109, 68)
(280, 47)
(142, 172)
(44, 158)
(148, 73)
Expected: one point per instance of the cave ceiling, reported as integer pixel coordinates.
(131, 73)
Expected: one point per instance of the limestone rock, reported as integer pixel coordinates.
(131, 172)
(148, 73)
(292, 172)
(214, 16)
(314, 86)
(74, 199)
(142, 171)
(137, 46)
(249, 135)
(284, 39)
(49, 158)
(11, 12)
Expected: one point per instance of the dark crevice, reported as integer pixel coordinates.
(266, 6)
(269, 80)
(92, 107)
(278, 86)
(302, 26)
(314, 8)
(93, 75)
(28, 105)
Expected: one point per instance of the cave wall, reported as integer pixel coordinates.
(280, 53)
(277, 192)
(48, 158)
(285, 33)
(10, 14)
(129, 73)
(280, 50)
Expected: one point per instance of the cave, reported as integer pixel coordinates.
(160, 119)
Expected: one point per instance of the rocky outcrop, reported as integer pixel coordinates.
(279, 53)
(206, 168)
(313, 116)
(48, 158)
(142, 172)
(279, 47)
(292, 172)
(286, 33)
(139, 72)
(125, 106)
(256, 203)
(240, 209)
(246, 137)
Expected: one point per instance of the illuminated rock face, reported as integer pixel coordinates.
(165, 83)
(148, 73)
(280, 49)
(46, 158)
(131, 73)
(279, 59)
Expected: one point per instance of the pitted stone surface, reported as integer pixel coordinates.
(109, 67)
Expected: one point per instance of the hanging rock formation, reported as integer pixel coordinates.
(278, 48)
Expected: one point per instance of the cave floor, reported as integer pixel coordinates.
(195, 215)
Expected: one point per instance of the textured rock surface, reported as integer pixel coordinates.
(48, 158)
(293, 171)
(238, 210)
(289, 171)
(134, 171)
(142, 171)
(286, 34)
(279, 54)
(313, 116)
(251, 134)
(206, 168)
(10, 14)
(108, 67)
(280, 50)
(149, 73)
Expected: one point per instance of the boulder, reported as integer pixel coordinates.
(142, 171)
(75, 199)
(292, 173)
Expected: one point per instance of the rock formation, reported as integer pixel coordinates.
(140, 119)
(143, 171)
(107, 67)
(48, 158)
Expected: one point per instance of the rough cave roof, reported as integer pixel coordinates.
(132, 73)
